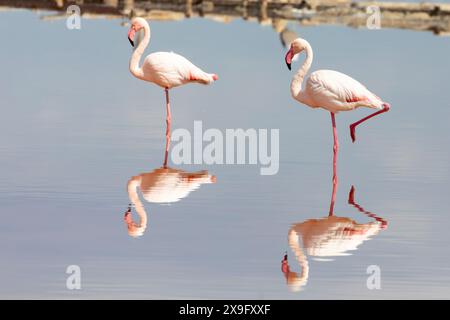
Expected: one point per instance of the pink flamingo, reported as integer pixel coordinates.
(327, 237)
(332, 91)
(166, 69)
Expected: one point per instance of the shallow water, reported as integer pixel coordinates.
(76, 127)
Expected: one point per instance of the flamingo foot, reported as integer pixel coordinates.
(351, 196)
(386, 108)
(352, 133)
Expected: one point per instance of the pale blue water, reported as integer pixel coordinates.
(76, 126)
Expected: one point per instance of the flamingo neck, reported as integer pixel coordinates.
(133, 184)
(299, 279)
(137, 54)
(297, 81)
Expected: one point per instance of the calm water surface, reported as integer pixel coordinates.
(78, 131)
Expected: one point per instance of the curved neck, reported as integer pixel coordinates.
(133, 184)
(299, 279)
(137, 54)
(296, 84)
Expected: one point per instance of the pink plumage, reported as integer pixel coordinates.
(330, 90)
(166, 69)
(169, 70)
(335, 91)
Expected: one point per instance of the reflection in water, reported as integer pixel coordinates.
(427, 16)
(286, 37)
(162, 185)
(327, 237)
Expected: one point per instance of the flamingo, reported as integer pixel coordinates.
(165, 69)
(332, 91)
(327, 237)
(163, 185)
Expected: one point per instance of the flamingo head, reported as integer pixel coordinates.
(134, 230)
(136, 25)
(297, 46)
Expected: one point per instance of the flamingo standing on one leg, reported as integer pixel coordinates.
(327, 237)
(162, 185)
(332, 91)
(166, 69)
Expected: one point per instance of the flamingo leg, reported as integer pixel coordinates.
(386, 108)
(168, 122)
(333, 197)
(351, 201)
(335, 153)
(166, 155)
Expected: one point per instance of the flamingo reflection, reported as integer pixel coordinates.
(327, 237)
(163, 185)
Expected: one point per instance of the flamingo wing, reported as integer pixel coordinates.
(169, 70)
(336, 91)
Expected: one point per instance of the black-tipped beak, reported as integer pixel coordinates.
(131, 34)
(288, 65)
(288, 58)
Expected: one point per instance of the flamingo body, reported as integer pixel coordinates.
(167, 185)
(328, 89)
(336, 91)
(169, 70)
(334, 236)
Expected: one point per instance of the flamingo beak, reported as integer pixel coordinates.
(289, 57)
(131, 34)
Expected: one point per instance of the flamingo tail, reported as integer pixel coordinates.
(203, 77)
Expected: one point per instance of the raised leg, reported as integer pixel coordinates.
(351, 201)
(386, 108)
(335, 153)
(168, 120)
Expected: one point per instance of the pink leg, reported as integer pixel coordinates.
(335, 153)
(168, 118)
(166, 155)
(386, 108)
(333, 196)
(351, 200)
